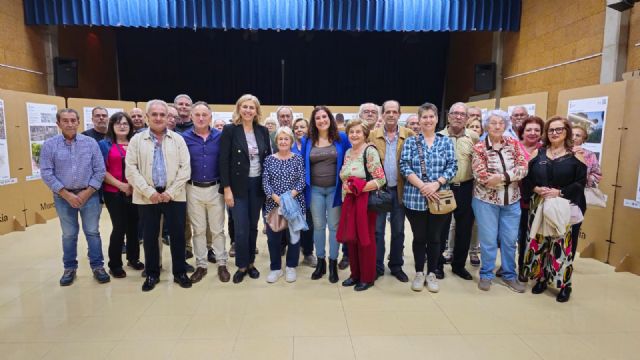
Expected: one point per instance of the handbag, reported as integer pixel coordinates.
(276, 221)
(379, 200)
(446, 202)
(595, 197)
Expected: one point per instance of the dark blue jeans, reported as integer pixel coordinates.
(274, 240)
(397, 235)
(306, 237)
(174, 218)
(246, 213)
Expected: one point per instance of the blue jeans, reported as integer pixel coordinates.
(323, 213)
(90, 215)
(397, 235)
(274, 241)
(497, 223)
(246, 214)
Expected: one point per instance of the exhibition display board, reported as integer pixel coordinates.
(84, 107)
(536, 103)
(599, 103)
(29, 119)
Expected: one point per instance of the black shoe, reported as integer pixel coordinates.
(564, 294)
(253, 272)
(118, 273)
(523, 279)
(400, 275)
(135, 265)
(344, 263)
(144, 272)
(182, 280)
(439, 274)
(101, 276)
(539, 287)
(321, 269)
(333, 271)
(188, 268)
(188, 254)
(362, 286)
(211, 256)
(463, 273)
(499, 272)
(239, 276)
(379, 273)
(349, 282)
(150, 283)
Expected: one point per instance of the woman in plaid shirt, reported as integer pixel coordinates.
(428, 162)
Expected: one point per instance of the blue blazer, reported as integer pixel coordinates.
(342, 145)
(105, 146)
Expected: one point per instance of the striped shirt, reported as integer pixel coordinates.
(71, 165)
(440, 161)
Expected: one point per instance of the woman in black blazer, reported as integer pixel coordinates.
(244, 145)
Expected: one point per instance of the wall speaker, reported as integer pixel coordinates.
(484, 77)
(65, 72)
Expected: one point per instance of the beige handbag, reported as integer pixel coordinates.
(445, 204)
(276, 221)
(595, 197)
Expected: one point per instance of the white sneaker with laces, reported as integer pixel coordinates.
(432, 283)
(274, 275)
(418, 282)
(291, 275)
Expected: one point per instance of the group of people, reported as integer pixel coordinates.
(176, 175)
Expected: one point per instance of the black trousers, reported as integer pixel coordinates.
(124, 221)
(427, 229)
(464, 223)
(523, 233)
(174, 218)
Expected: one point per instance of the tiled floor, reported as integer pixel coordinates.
(305, 320)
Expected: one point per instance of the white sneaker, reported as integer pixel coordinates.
(274, 275)
(432, 283)
(418, 282)
(291, 275)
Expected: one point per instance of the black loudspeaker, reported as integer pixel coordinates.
(484, 77)
(65, 72)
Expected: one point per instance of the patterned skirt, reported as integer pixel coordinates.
(548, 258)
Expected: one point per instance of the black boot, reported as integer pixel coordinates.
(564, 294)
(321, 269)
(333, 271)
(539, 287)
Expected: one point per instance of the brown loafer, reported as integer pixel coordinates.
(223, 273)
(198, 274)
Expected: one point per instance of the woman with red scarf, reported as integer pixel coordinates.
(359, 235)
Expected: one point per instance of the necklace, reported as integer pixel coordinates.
(557, 153)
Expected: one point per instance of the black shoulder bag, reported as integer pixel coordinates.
(379, 200)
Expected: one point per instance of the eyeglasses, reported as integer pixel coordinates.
(122, 125)
(496, 123)
(559, 130)
(458, 113)
(369, 111)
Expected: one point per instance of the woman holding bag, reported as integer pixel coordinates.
(283, 173)
(361, 173)
(428, 162)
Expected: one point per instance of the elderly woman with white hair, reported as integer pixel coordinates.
(498, 165)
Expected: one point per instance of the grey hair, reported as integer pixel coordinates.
(175, 100)
(387, 102)
(280, 108)
(157, 102)
(287, 131)
(203, 103)
(474, 108)
(369, 103)
(98, 108)
(503, 115)
(520, 107)
(66, 111)
(459, 103)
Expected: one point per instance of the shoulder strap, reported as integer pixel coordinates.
(364, 162)
(423, 166)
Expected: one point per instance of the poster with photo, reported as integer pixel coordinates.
(531, 108)
(86, 113)
(591, 114)
(403, 119)
(226, 116)
(42, 125)
(5, 169)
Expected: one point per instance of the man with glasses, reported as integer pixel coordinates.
(73, 168)
(518, 115)
(389, 141)
(369, 113)
(462, 186)
(100, 120)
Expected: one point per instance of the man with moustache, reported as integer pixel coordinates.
(100, 120)
(413, 123)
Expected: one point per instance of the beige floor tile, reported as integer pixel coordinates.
(38, 330)
(500, 347)
(25, 351)
(263, 348)
(374, 323)
(158, 327)
(80, 350)
(614, 345)
(320, 324)
(382, 347)
(443, 347)
(143, 349)
(275, 323)
(561, 347)
(322, 348)
(425, 323)
(102, 328)
(210, 349)
(213, 325)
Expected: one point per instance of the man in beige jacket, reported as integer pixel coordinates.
(158, 166)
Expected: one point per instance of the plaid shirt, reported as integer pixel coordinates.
(440, 161)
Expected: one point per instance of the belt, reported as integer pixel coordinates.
(160, 189)
(461, 183)
(76, 191)
(203, 184)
